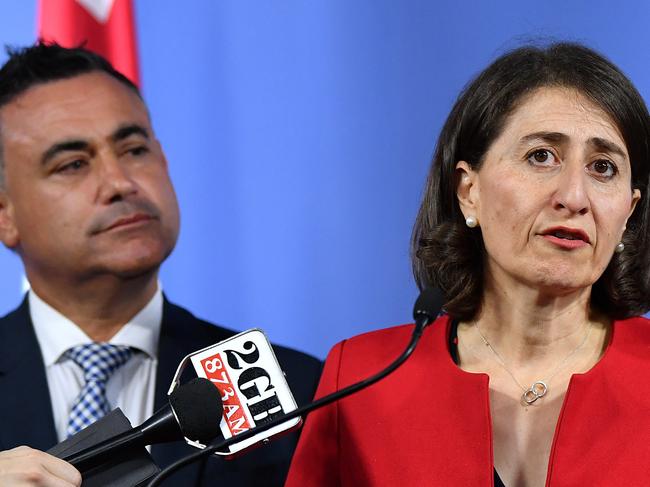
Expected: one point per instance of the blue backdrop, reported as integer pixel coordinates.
(299, 135)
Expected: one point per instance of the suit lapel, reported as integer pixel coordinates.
(173, 345)
(180, 334)
(25, 407)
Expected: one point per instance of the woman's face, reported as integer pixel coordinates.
(553, 194)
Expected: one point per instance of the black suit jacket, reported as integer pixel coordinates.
(26, 412)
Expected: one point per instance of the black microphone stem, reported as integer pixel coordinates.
(422, 320)
(151, 431)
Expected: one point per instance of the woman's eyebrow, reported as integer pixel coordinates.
(556, 137)
(598, 143)
(607, 146)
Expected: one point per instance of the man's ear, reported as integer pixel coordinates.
(157, 146)
(467, 189)
(8, 230)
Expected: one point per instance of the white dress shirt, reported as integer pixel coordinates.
(131, 387)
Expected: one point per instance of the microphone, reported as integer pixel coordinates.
(426, 309)
(252, 385)
(193, 412)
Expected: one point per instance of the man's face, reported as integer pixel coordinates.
(87, 190)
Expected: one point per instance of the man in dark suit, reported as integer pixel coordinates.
(87, 203)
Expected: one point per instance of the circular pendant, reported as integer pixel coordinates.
(534, 392)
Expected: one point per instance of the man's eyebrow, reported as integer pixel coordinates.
(607, 146)
(81, 145)
(65, 146)
(128, 130)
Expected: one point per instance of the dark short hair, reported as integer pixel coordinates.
(448, 254)
(45, 62)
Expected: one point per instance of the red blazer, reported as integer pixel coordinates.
(428, 423)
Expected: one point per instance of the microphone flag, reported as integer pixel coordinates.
(103, 26)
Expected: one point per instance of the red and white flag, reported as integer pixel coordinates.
(103, 26)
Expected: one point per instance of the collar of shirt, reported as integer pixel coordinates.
(56, 333)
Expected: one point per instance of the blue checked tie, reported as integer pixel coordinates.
(98, 362)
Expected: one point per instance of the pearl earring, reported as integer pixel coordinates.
(471, 221)
(620, 247)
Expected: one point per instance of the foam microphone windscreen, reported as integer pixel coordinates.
(429, 304)
(198, 409)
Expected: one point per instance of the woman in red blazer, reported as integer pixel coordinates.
(534, 226)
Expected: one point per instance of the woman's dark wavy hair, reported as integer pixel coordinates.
(448, 254)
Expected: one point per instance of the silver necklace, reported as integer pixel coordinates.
(539, 388)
